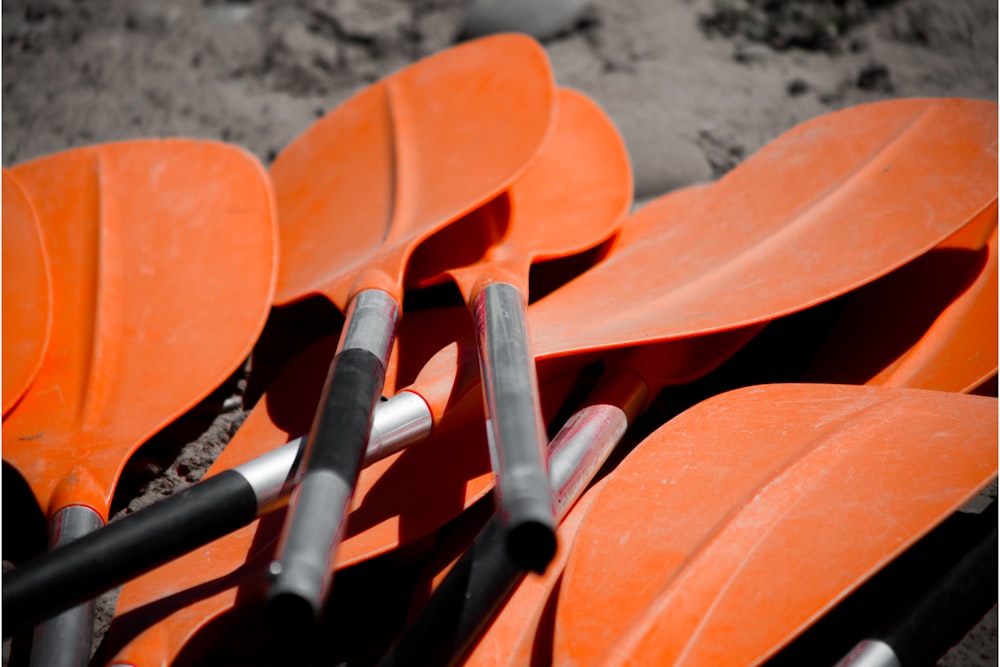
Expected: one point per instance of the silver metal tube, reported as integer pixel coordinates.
(64, 641)
(580, 449)
(311, 539)
(584, 443)
(334, 450)
(399, 422)
(270, 475)
(870, 653)
(367, 315)
(514, 424)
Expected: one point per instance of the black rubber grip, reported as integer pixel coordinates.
(463, 604)
(947, 608)
(345, 419)
(86, 567)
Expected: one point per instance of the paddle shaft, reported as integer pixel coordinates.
(64, 641)
(100, 560)
(206, 511)
(514, 424)
(485, 575)
(303, 570)
(939, 617)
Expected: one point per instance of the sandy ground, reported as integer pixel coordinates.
(693, 91)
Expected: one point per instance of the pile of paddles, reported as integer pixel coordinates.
(741, 514)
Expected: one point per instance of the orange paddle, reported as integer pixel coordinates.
(585, 162)
(787, 489)
(357, 192)
(946, 358)
(152, 244)
(955, 354)
(27, 293)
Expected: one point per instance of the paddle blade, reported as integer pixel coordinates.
(766, 503)
(27, 293)
(163, 266)
(830, 205)
(404, 157)
(579, 190)
(574, 196)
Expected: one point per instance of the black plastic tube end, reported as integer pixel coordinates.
(290, 618)
(532, 545)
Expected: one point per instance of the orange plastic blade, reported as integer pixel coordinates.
(401, 159)
(27, 293)
(449, 382)
(397, 501)
(163, 267)
(574, 196)
(827, 207)
(930, 325)
(834, 203)
(764, 503)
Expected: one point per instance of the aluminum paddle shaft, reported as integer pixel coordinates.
(940, 615)
(515, 428)
(303, 570)
(98, 561)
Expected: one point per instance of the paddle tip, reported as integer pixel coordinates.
(293, 607)
(532, 545)
(289, 617)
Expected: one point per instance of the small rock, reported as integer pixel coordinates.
(875, 77)
(372, 19)
(438, 29)
(539, 18)
(721, 154)
(152, 18)
(832, 98)
(749, 54)
(228, 12)
(797, 87)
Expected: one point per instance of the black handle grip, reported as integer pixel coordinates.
(462, 605)
(947, 608)
(339, 434)
(84, 568)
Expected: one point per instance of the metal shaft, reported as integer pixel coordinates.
(64, 640)
(303, 571)
(514, 425)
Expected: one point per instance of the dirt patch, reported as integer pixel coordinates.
(792, 24)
